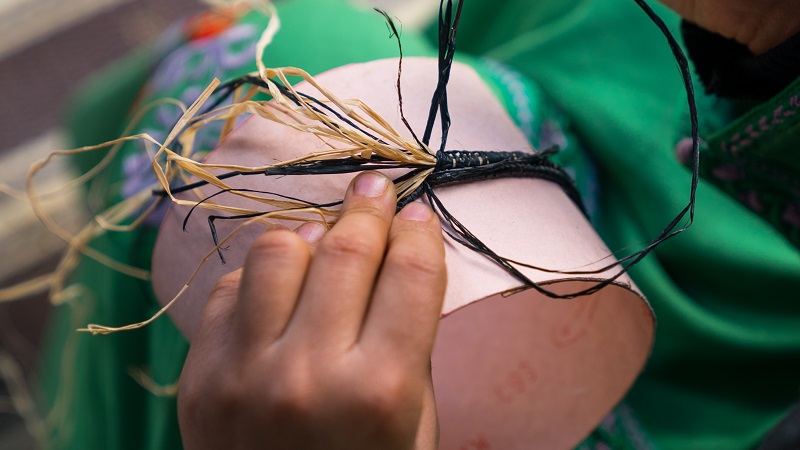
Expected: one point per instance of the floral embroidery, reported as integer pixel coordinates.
(754, 161)
(183, 74)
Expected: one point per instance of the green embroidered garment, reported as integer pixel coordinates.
(594, 76)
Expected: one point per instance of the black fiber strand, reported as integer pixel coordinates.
(464, 166)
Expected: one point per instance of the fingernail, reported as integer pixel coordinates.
(311, 232)
(370, 184)
(415, 211)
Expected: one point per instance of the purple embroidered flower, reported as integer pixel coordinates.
(183, 74)
(138, 174)
(551, 135)
(165, 116)
(683, 151)
(609, 422)
(752, 200)
(727, 172)
(198, 62)
(791, 215)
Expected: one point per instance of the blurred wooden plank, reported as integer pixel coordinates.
(23, 22)
(26, 243)
(37, 78)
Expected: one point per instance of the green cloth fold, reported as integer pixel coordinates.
(726, 363)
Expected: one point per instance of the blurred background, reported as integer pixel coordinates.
(47, 48)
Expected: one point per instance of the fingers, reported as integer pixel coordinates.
(311, 232)
(275, 356)
(339, 282)
(272, 279)
(215, 318)
(325, 299)
(428, 430)
(410, 289)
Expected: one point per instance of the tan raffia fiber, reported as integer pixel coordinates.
(343, 141)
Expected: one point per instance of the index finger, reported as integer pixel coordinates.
(342, 273)
(407, 302)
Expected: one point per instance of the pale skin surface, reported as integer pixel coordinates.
(324, 342)
(758, 24)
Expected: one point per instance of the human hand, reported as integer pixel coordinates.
(323, 345)
(758, 24)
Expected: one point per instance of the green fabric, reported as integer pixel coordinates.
(755, 159)
(769, 131)
(93, 118)
(726, 361)
(93, 400)
(543, 124)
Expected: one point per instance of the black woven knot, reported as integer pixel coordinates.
(460, 166)
(462, 159)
